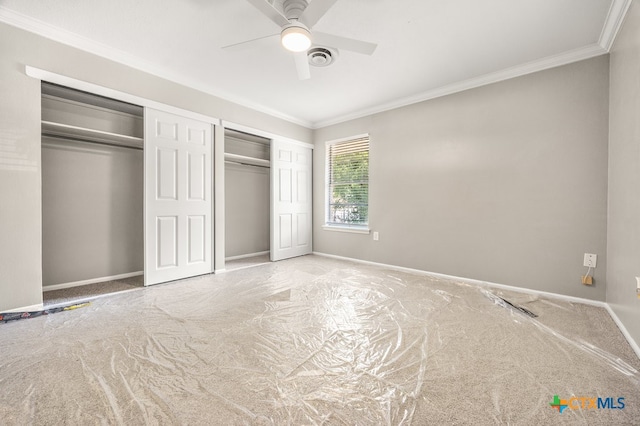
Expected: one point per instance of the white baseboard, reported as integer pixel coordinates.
(623, 330)
(472, 281)
(557, 296)
(219, 271)
(91, 281)
(30, 308)
(244, 256)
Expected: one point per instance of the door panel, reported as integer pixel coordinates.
(178, 197)
(290, 200)
(167, 174)
(196, 136)
(166, 130)
(285, 231)
(197, 176)
(197, 239)
(301, 185)
(285, 185)
(303, 232)
(168, 242)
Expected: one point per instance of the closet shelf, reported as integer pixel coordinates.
(243, 159)
(50, 128)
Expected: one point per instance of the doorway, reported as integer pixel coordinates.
(247, 199)
(92, 187)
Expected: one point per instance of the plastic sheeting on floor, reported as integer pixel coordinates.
(318, 341)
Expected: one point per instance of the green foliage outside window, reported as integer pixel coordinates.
(349, 184)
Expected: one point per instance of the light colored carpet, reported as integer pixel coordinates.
(91, 291)
(314, 340)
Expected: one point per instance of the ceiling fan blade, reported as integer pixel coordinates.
(270, 12)
(249, 44)
(330, 40)
(302, 65)
(315, 11)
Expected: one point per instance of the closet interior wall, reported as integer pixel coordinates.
(247, 195)
(92, 188)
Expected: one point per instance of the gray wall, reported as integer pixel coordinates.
(92, 220)
(20, 173)
(505, 183)
(247, 209)
(623, 244)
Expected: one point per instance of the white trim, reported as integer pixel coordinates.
(610, 28)
(347, 139)
(613, 23)
(331, 226)
(267, 135)
(30, 308)
(244, 256)
(598, 303)
(68, 38)
(85, 86)
(346, 229)
(218, 199)
(623, 330)
(483, 80)
(90, 281)
(220, 271)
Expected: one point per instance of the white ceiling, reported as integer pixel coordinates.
(426, 48)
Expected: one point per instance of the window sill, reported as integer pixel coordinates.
(349, 229)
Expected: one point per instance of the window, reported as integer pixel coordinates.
(348, 183)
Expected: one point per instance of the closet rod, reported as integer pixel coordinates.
(75, 139)
(246, 164)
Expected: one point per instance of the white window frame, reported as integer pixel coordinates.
(351, 228)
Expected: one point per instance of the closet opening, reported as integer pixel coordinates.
(247, 199)
(92, 195)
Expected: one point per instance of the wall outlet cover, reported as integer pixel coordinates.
(590, 260)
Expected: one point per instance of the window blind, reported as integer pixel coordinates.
(348, 183)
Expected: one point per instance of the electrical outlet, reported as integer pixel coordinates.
(590, 260)
(376, 236)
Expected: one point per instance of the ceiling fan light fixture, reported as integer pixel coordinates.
(296, 38)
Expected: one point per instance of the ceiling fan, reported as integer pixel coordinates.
(295, 21)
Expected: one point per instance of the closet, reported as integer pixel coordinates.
(247, 198)
(268, 203)
(128, 191)
(92, 188)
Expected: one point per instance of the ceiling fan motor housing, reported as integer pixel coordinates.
(293, 8)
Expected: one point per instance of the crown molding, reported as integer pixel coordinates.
(612, 24)
(610, 29)
(68, 38)
(483, 80)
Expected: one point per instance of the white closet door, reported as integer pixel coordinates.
(290, 200)
(178, 197)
